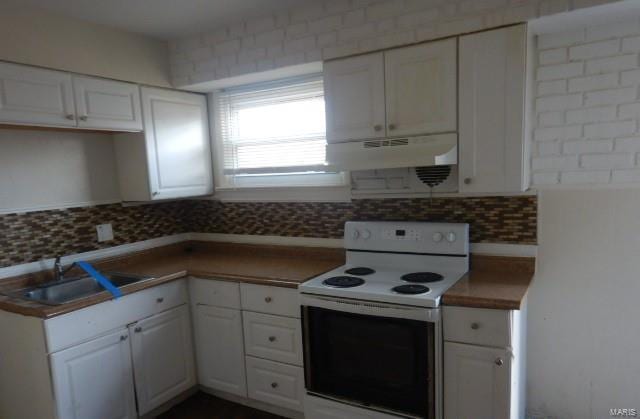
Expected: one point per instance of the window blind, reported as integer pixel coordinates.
(273, 128)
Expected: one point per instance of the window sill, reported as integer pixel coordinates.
(285, 194)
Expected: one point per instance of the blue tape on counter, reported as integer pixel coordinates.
(100, 278)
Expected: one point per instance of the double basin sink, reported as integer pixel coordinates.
(73, 289)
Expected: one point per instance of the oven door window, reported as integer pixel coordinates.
(380, 362)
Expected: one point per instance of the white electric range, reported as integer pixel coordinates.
(372, 327)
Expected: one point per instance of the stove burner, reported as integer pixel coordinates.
(422, 277)
(343, 281)
(410, 289)
(360, 270)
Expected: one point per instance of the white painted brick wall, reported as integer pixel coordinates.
(335, 28)
(587, 107)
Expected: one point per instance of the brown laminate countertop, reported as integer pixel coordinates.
(282, 266)
(495, 282)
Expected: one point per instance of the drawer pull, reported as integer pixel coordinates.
(499, 362)
(475, 326)
(138, 329)
(123, 338)
(274, 385)
(160, 300)
(268, 299)
(272, 338)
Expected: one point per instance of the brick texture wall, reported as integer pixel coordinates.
(328, 29)
(587, 106)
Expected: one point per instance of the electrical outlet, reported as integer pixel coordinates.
(105, 232)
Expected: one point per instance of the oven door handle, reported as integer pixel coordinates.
(371, 308)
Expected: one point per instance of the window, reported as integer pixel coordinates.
(273, 134)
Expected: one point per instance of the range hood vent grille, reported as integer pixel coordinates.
(386, 143)
(433, 175)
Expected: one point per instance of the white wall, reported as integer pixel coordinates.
(588, 106)
(33, 37)
(53, 169)
(584, 317)
(337, 28)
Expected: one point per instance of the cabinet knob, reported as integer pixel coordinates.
(475, 326)
(392, 127)
(70, 117)
(84, 118)
(499, 362)
(467, 181)
(377, 128)
(123, 338)
(272, 338)
(274, 385)
(159, 300)
(138, 329)
(154, 193)
(268, 299)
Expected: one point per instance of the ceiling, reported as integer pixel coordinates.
(164, 19)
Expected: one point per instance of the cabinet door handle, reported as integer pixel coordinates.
(475, 326)
(274, 385)
(377, 128)
(138, 329)
(467, 181)
(84, 117)
(499, 362)
(272, 338)
(392, 127)
(268, 299)
(123, 338)
(160, 300)
(70, 117)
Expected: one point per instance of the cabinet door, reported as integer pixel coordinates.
(107, 104)
(219, 348)
(95, 380)
(35, 96)
(354, 98)
(492, 87)
(177, 143)
(163, 361)
(476, 382)
(421, 89)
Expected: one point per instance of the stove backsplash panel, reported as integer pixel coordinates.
(32, 236)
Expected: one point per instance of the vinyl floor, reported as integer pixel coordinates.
(205, 406)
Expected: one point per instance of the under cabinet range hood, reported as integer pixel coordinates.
(389, 153)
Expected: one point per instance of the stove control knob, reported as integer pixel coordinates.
(451, 237)
(437, 237)
(355, 234)
(365, 234)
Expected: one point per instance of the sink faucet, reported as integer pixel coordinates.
(58, 270)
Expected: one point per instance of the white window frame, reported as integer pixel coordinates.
(326, 186)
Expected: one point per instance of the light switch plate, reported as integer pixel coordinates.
(105, 232)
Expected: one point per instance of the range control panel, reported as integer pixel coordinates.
(410, 237)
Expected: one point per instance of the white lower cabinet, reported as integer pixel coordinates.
(275, 383)
(478, 381)
(95, 379)
(163, 361)
(219, 346)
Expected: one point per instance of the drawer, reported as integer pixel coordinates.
(478, 326)
(216, 293)
(319, 408)
(90, 322)
(273, 337)
(270, 300)
(278, 384)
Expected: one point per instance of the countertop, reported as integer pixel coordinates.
(493, 282)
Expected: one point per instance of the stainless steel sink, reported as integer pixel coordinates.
(55, 293)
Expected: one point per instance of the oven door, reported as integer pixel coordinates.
(381, 356)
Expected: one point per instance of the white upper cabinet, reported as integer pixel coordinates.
(404, 91)
(492, 154)
(35, 96)
(172, 159)
(107, 104)
(421, 89)
(354, 98)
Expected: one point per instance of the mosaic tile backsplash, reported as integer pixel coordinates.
(38, 235)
